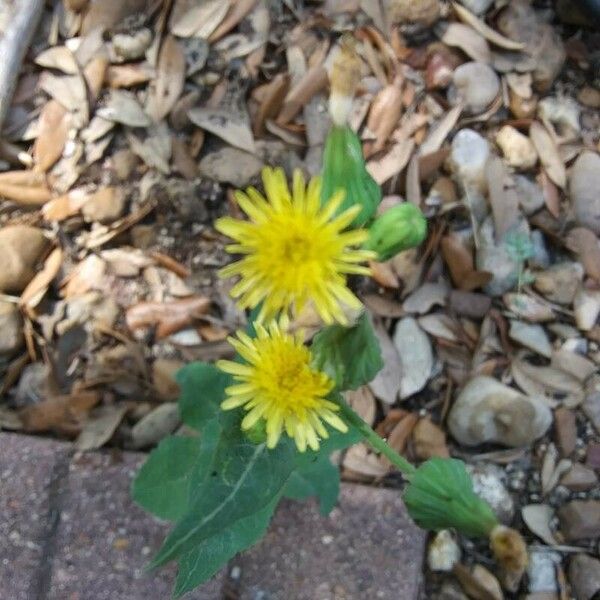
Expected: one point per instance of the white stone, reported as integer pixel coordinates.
(516, 148)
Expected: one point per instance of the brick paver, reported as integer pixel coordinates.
(69, 531)
(367, 548)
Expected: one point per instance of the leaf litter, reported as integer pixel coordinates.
(115, 156)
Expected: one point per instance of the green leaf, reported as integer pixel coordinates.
(202, 391)
(246, 478)
(349, 355)
(201, 563)
(441, 496)
(162, 485)
(344, 168)
(319, 478)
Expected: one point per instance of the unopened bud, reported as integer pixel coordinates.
(401, 227)
(344, 168)
(510, 552)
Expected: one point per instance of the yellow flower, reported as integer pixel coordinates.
(296, 251)
(277, 384)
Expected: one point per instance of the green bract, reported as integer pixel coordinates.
(401, 227)
(441, 496)
(344, 168)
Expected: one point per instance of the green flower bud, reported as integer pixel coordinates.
(441, 496)
(344, 168)
(401, 227)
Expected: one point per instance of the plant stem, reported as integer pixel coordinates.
(377, 443)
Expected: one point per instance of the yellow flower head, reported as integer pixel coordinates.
(296, 251)
(278, 384)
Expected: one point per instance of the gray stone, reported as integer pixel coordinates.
(11, 326)
(21, 247)
(541, 570)
(488, 483)
(580, 478)
(468, 157)
(231, 165)
(584, 184)
(477, 85)
(28, 470)
(580, 520)
(584, 576)
(366, 548)
(488, 411)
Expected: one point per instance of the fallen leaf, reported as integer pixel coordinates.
(64, 414)
(123, 107)
(537, 517)
(429, 440)
(38, 286)
(236, 13)
(585, 244)
(393, 162)
(473, 44)
(65, 206)
(273, 95)
(385, 112)
(388, 380)
(129, 75)
(155, 150)
(313, 81)
(416, 356)
(362, 461)
(168, 317)
(53, 131)
(58, 57)
(86, 276)
(548, 153)
(100, 426)
(502, 197)
(440, 131)
(232, 127)
(487, 32)
(70, 91)
(170, 77)
(461, 265)
(363, 403)
(199, 19)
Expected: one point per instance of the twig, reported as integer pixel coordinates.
(13, 46)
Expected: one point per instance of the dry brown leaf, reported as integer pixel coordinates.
(23, 178)
(54, 126)
(130, 75)
(170, 77)
(229, 121)
(171, 264)
(362, 461)
(537, 517)
(399, 435)
(123, 107)
(468, 40)
(273, 94)
(429, 440)
(461, 266)
(382, 306)
(183, 161)
(38, 286)
(58, 57)
(95, 74)
(313, 81)
(168, 317)
(487, 32)
(235, 15)
(69, 91)
(385, 113)
(155, 150)
(439, 132)
(393, 162)
(100, 426)
(65, 206)
(585, 244)
(384, 275)
(548, 153)
(26, 196)
(386, 383)
(86, 276)
(61, 413)
(198, 19)
(363, 403)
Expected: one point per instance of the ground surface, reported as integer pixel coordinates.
(133, 122)
(70, 530)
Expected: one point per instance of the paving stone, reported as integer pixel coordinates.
(366, 548)
(104, 540)
(28, 467)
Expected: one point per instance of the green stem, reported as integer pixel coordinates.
(376, 442)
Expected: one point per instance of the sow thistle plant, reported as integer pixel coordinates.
(266, 422)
